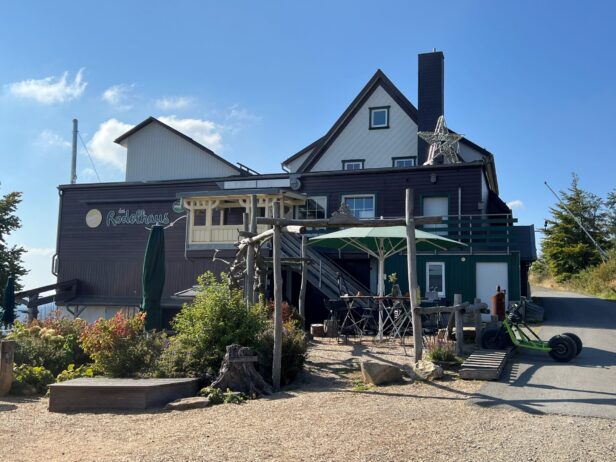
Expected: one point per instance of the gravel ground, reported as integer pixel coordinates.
(320, 419)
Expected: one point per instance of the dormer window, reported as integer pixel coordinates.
(403, 162)
(379, 117)
(353, 164)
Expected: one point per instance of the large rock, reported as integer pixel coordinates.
(379, 373)
(196, 402)
(427, 370)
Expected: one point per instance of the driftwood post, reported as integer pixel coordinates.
(33, 307)
(247, 281)
(277, 266)
(250, 253)
(478, 323)
(302, 288)
(7, 352)
(412, 275)
(458, 315)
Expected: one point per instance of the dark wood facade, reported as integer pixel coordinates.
(107, 259)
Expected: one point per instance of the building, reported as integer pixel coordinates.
(366, 160)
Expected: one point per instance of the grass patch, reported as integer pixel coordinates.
(359, 386)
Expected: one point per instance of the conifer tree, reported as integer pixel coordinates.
(11, 263)
(566, 247)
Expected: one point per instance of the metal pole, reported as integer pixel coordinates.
(74, 154)
(601, 251)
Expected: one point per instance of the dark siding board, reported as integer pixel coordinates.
(460, 276)
(107, 260)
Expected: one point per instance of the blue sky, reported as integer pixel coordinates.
(533, 82)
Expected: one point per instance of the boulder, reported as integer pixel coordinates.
(196, 402)
(427, 370)
(379, 373)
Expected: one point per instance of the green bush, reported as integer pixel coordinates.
(598, 280)
(440, 350)
(52, 344)
(217, 317)
(294, 349)
(120, 346)
(29, 380)
(72, 372)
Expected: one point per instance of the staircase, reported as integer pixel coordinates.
(323, 272)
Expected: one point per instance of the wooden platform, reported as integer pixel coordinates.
(485, 364)
(116, 394)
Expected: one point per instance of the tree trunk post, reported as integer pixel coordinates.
(302, 288)
(277, 358)
(33, 307)
(459, 331)
(250, 253)
(478, 324)
(7, 353)
(411, 262)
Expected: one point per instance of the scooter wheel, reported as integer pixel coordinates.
(563, 348)
(577, 341)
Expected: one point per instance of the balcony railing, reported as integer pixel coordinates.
(221, 234)
(478, 232)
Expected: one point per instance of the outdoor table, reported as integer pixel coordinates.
(386, 312)
(350, 318)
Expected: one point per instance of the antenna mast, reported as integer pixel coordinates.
(74, 154)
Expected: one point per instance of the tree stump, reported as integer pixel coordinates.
(238, 373)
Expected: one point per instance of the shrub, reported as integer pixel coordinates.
(72, 372)
(52, 344)
(30, 379)
(217, 317)
(598, 280)
(440, 349)
(120, 346)
(294, 349)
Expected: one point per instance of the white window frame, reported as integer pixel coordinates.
(354, 196)
(358, 162)
(442, 265)
(324, 198)
(374, 110)
(413, 160)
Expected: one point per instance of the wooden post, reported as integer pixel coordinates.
(411, 257)
(478, 324)
(459, 314)
(7, 352)
(277, 358)
(302, 288)
(250, 254)
(33, 307)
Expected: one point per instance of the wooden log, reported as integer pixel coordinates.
(326, 223)
(304, 282)
(478, 322)
(459, 318)
(238, 373)
(33, 304)
(250, 253)
(277, 356)
(330, 327)
(412, 275)
(268, 234)
(7, 354)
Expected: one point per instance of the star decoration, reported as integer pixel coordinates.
(442, 143)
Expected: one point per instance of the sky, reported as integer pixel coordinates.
(533, 82)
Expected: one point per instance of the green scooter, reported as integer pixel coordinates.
(515, 332)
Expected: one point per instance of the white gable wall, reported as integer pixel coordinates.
(294, 165)
(469, 154)
(377, 147)
(156, 153)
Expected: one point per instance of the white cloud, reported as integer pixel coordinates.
(50, 139)
(516, 204)
(103, 149)
(50, 90)
(88, 174)
(40, 251)
(117, 95)
(205, 132)
(168, 104)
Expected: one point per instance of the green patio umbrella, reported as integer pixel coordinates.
(381, 243)
(8, 302)
(153, 278)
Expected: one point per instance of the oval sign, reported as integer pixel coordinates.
(94, 218)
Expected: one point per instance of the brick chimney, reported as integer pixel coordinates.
(431, 95)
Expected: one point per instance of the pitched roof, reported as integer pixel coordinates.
(120, 140)
(321, 145)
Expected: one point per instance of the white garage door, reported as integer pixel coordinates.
(490, 275)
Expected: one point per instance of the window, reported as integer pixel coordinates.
(353, 164)
(315, 208)
(199, 217)
(435, 277)
(379, 117)
(360, 206)
(402, 162)
(436, 207)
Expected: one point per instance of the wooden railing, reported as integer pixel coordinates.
(218, 234)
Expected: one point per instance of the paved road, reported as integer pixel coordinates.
(585, 386)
